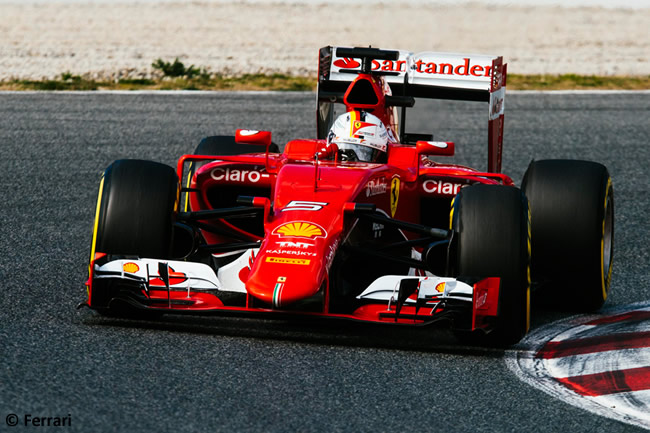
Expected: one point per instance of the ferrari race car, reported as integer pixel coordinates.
(358, 223)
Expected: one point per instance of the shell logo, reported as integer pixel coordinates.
(300, 229)
(130, 267)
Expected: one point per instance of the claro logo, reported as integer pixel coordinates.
(439, 187)
(235, 175)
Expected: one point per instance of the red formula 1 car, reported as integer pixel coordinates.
(359, 223)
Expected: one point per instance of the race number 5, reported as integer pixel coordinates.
(305, 205)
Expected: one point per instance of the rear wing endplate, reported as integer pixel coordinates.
(433, 75)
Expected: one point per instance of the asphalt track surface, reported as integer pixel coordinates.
(221, 374)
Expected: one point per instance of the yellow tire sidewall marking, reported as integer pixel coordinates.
(95, 226)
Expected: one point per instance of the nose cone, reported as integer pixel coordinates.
(292, 264)
(282, 283)
(303, 234)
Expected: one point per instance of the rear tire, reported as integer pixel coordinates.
(492, 224)
(572, 205)
(135, 210)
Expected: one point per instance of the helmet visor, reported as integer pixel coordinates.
(357, 152)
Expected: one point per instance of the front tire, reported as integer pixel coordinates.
(492, 225)
(572, 204)
(135, 210)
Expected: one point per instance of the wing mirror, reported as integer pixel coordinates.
(262, 138)
(249, 136)
(439, 148)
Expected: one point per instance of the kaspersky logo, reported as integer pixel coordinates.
(300, 229)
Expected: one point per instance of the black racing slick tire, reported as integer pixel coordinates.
(135, 209)
(572, 205)
(492, 227)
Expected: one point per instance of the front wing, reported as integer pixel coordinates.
(180, 287)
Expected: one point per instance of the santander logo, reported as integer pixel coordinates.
(424, 65)
(174, 278)
(346, 63)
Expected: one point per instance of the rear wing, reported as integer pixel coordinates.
(463, 77)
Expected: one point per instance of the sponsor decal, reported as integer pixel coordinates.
(289, 248)
(292, 252)
(432, 186)
(236, 175)
(346, 63)
(245, 271)
(384, 65)
(441, 288)
(481, 298)
(300, 229)
(394, 194)
(287, 261)
(377, 230)
(390, 65)
(305, 205)
(497, 103)
(391, 137)
(174, 278)
(466, 68)
(130, 267)
(351, 140)
(331, 253)
(358, 124)
(376, 186)
(290, 244)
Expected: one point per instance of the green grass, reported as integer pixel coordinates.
(577, 82)
(67, 82)
(201, 80)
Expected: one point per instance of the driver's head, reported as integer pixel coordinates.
(360, 136)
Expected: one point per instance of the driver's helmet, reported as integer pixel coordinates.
(360, 136)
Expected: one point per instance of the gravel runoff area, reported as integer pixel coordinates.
(110, 41)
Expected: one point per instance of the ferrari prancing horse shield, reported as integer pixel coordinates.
(394, 195)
